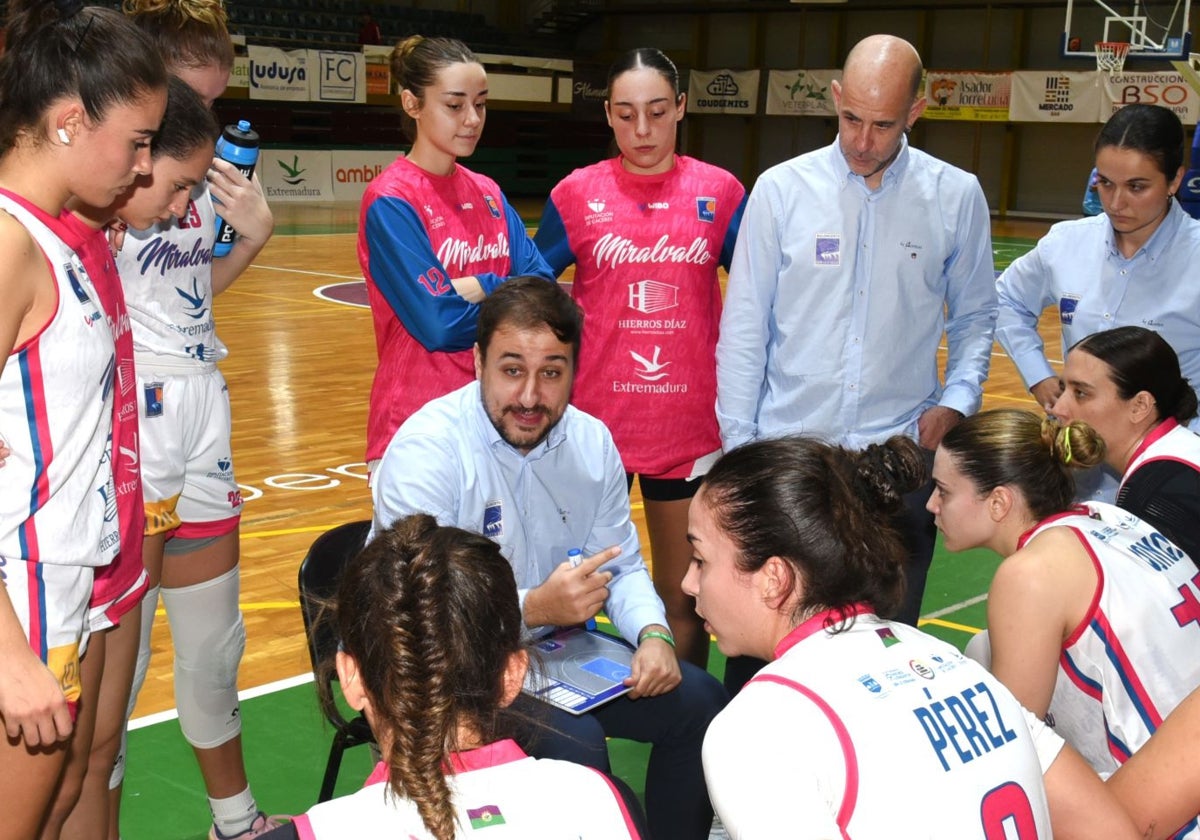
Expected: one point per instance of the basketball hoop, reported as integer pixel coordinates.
(1110, 55)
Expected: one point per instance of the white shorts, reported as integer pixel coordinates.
(109, 614)
(187, 456)
(51, 602)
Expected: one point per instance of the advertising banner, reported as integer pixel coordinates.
(723, 92)
(589, 89)
(1055, 96)
(278, 74)
(801, 93)
(1165, 88)
(977, 97)
(336, 76)
(296, 175)
(353, 170)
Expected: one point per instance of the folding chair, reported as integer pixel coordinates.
(318, 580)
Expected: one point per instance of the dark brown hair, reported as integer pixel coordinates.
(822, 509)
(530, 303)
(430, 614)
(64, 49)
(1139, 359)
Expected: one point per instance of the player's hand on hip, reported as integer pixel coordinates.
(32, 702)
(655, 669)
(933, 424)
(571, 594)
(1047, 392)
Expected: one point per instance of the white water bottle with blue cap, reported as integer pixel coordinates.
(237, 144)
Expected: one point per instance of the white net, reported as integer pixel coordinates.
(1110, 55)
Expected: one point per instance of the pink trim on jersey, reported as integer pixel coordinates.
(380, 773)
(205, 530)
(125, 602)
(818, 622)
(489, 755)
(850, 792)
(303, 827)
(620, 800)
(1074, 510)
(1094, 606)
(1156, 434)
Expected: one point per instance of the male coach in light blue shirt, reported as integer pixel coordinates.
(850, 263)
(509, 457)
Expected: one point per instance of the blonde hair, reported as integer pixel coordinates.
(1019, 449)
(190, 33)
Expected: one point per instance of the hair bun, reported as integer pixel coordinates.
(887, 471)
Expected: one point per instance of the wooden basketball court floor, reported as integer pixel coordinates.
(299, 374)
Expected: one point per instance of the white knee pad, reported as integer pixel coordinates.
(140, 668)
(209, 638)
(979, 648)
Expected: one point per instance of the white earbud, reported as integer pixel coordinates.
(64, 137)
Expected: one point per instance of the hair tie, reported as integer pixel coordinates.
(1066, 447)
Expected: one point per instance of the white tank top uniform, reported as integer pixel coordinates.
(499, 792)
(877, 731)
(58, 515)
(1133, 657)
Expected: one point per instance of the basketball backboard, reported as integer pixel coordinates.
(1158, 29)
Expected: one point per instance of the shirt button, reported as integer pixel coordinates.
(1107, 316)
(853, 387)
(1124, 272)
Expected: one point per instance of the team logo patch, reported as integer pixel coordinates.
(154, 399)
(81, 293)
(493, 519)
(494, 207)
(1066, 308)
(870, 684)
(485, 816)
(886, 636)
(828, 250)
(706, 208)
(596, 205)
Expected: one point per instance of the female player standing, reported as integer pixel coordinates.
(434, 238)
(193, 505)
(81, 95)
(646, 231)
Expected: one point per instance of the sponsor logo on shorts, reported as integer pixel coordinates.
(154, 399)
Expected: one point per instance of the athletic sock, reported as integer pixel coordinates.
(235, 814)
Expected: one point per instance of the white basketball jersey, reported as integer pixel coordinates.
(167, 274)
(498, 791)
(1134, 657)
(1168, 442)
(57, 498)
(877, 731)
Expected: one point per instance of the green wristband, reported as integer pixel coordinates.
(655, 634)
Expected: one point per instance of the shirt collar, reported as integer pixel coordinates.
(894, 170)
(1163, 236)
(820, 621)
(489, 755)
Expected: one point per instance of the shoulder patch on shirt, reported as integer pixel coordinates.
(828, 250)
(706, 208)
(493, 519)
(492, 205)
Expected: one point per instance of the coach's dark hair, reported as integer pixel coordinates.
(825, 511)
(529, 303)
(190, 33)
(1035, 455)
(430, 615)
(645, 57)
(60, 48)
(188, 124)
(1139, 359)
(416, 62)
(1153, 130)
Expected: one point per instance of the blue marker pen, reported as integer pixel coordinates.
(575, 558)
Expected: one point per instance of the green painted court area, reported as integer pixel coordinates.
(287, 741)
